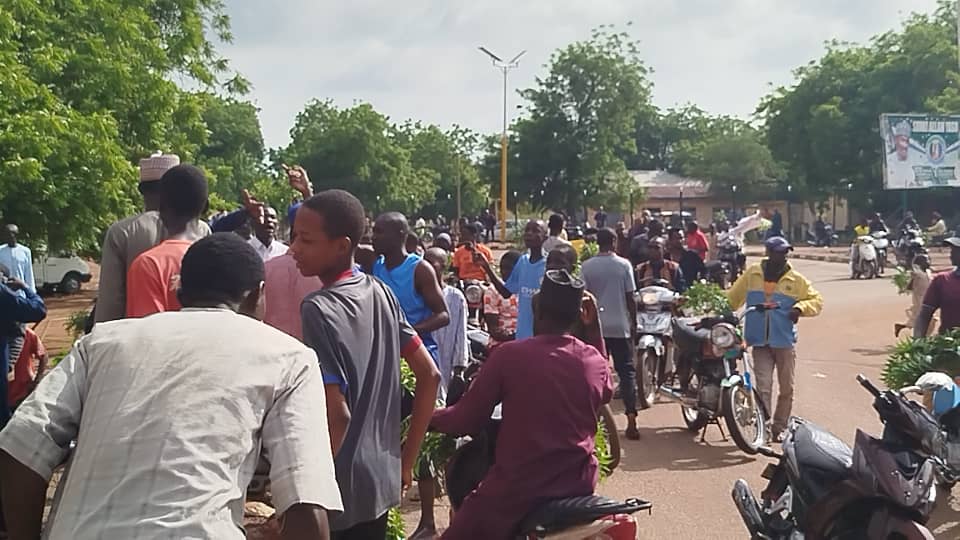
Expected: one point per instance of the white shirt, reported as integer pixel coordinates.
(553, 243)
(19, 262)
(170, 413)
(276, 248)
(900, 174)
(452, 339)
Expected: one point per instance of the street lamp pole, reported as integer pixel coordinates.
(505, 68)
(789, 221)
(733, 201)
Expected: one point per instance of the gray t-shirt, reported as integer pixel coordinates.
(610, 277)
(358, 331)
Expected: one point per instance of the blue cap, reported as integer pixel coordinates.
(778, 244)
(292, 212)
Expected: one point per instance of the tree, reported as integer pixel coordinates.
(740, 160)
(357, 149)
(85, 91)
(580, 124)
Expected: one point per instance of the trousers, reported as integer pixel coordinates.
(766, 360)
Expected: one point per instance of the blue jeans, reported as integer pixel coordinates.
(622, 352)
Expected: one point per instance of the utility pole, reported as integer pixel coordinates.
(505, 68)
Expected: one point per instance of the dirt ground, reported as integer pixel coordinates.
(52, 330)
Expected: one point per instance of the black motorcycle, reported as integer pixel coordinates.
(908, 246)
(824, 237)
(820, 488)
(732, 258)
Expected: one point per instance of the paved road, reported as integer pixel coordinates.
(689, 482)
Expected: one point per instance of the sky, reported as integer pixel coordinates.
(418, 59)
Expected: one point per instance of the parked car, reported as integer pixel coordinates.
(64, 273)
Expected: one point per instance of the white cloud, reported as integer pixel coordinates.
(418, 58)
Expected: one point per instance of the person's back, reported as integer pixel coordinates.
(153, 278)
(173, 408)
(354, 325)
(285, 288)
(610, 278)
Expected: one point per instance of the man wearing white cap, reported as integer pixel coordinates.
(129, 237)
(900, 172)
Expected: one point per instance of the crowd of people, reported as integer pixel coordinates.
(219, 352)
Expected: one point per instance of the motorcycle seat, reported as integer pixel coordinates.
(559, 514)
(817, 448)
(713, 265)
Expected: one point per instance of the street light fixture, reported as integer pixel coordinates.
(733, 200)
(505, 68)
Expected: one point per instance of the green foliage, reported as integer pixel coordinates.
(902, 278)
(76, 323)
(589, 249)
(703, 298)
(911, 358)
(567, 152)
(601, 444)
(395, 526)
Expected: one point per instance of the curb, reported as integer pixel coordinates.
(824, 258)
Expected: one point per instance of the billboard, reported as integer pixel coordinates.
(920, 151)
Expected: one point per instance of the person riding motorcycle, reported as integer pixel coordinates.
(659, 268)
(545, 442)
(876, 224)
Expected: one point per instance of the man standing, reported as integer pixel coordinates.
(359, 332)
(525, 278)
(153, 278)
(411, 278)
(773, 332)
(126, 239)
(264, 238)
(600, 218)
(696, 240)
(691, 265)
(556, 238)
(609, 278)
(170, 414)
(18, 304)
(489, 223)
(463, 264)
(938, 229)
(17, 258)
(943, 295)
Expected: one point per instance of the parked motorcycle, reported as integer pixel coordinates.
(654, 330)
(820, 488)
(711, 385)
(881, 243)
(863, 258)
(823, 238)
(730, 252)
(718, 272)
(908, 246)
(472, 290)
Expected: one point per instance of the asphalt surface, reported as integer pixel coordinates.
(689, 482)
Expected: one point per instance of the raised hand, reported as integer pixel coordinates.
(254, 207)
(298, 179)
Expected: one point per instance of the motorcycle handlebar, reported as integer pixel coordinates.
(865, 382)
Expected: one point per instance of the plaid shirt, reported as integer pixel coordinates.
(170, 413)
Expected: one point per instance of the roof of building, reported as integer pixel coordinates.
(665, 185)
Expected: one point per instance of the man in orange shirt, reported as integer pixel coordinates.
(23, 375)
(154, 276)
(463, 263)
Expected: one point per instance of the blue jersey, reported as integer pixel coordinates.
(525, 282)
(401, 282)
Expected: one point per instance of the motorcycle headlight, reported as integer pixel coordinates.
(723, 336)
(474, 294)
(650, 298)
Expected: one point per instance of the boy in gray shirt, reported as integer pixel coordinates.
(358, 331)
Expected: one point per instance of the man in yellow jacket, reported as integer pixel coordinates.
(773, 332)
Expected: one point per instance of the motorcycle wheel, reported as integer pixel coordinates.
(692, 417)
(872, 271)
(647, 378)
(746, 421)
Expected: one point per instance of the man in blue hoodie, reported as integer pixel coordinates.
(773, 333)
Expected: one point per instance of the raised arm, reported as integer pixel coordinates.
(425, 279)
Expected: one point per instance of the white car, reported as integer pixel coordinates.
(64, 273)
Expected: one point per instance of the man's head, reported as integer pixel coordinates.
(390, 233)
(908, 215)
(601, 208)
(11, 232)
(556, 308)
(655, 228)
(412, 242)
(875, 216)
(222, 270)
(922, 261)
(508, 262)
(777, 249)
(152, 170)
(937, 216)
(183, 193)
(606, 239)
(468, 232)
(655, 247)
(901, 139)
(328, 229)
(267, 231)
(562, 257)
(647, 216)
(438, 259)
(443, 241)
(556, 224)
(675, 238)
(954, 244)
(692, 227)
(534, 234)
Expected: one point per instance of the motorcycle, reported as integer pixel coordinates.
(654, 329)
(574, 518)
(711, 385)
(730, 252)
(820, 488)
(718, 272)
(881, 243)
(823, 238)
(909, 245)
(863, 258)
(472, 290)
